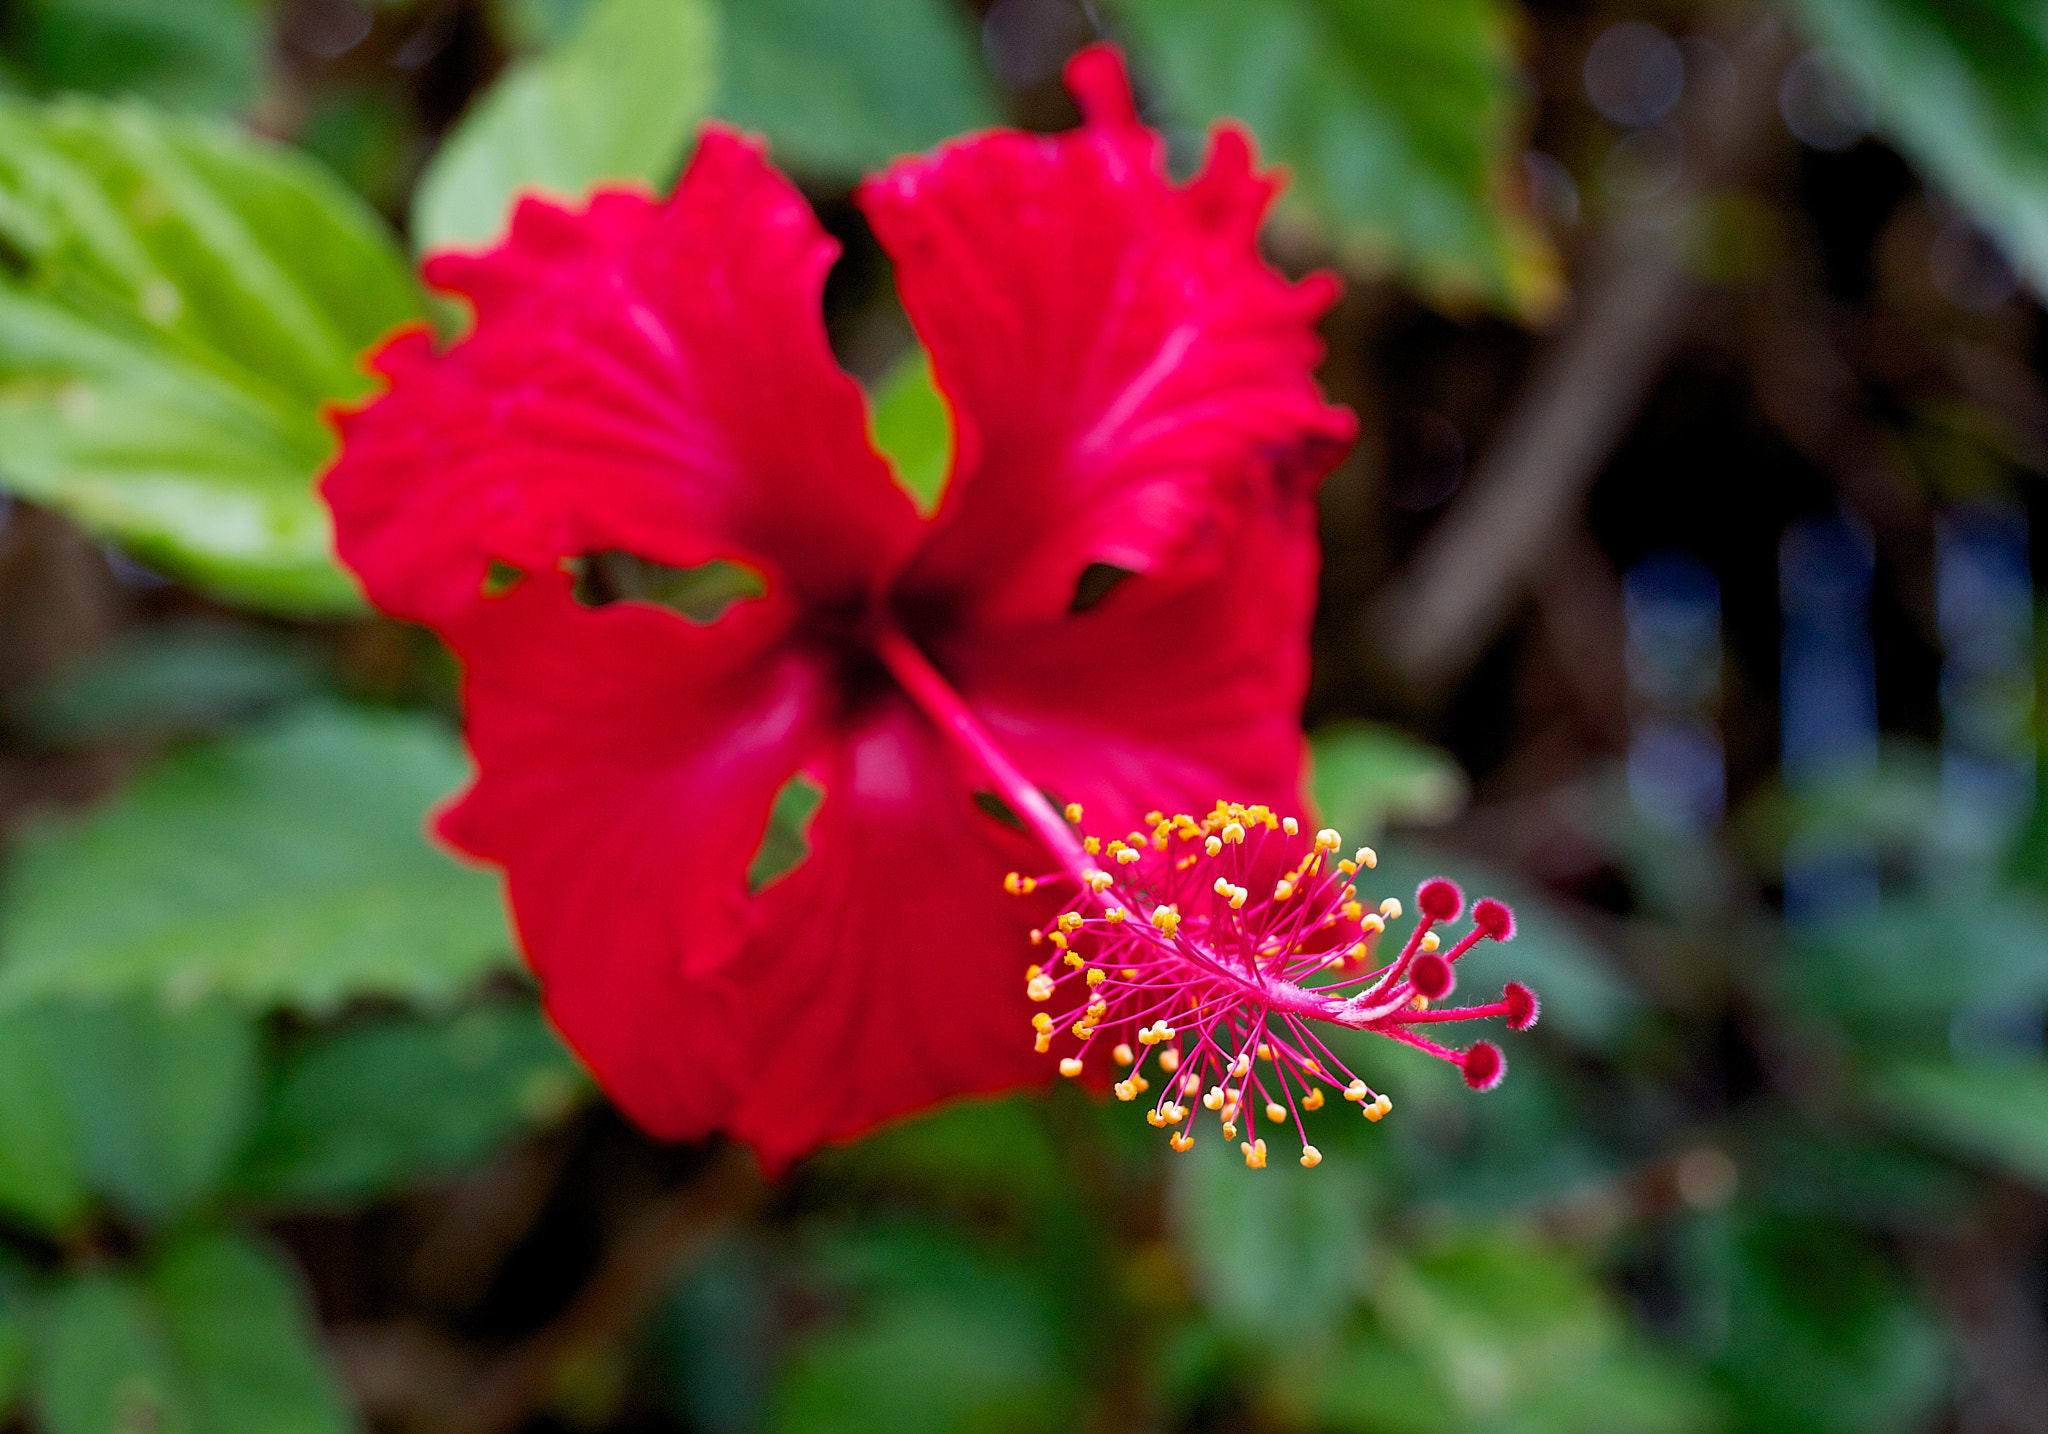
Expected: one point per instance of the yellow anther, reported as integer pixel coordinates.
(1114, 915)
(1429, 941)
(1329, 839)
(1169, 1059)
(1420, 1003)
(1070, 1067)
(1311, 1157)
(1348, 867)
(1233, 834)
(1139, 1083)
(1039, 988)
(1312, 1066)
(1127, 856)
(1032, 970)
(1123, 1054)
(1229, 1131)
(1098, 881)
(1213, 1099)
(1154, 818)
(1092, 845)
(1276, 1112)
(1357, 1090)
(1378, 1109)
(1128, 974)
(1282, 889)
(1242, 1064)
(1057, 938)
(1154, 1118)
(1353, 911)
(1367, 858)
(1019, 885)
(1125, 1090)
(1037, 936)
(1312, 1101)
(1386, 1104)
(1096, 976)
(1254, 1154)
(1213, 845)
(1290, 826)
(1258, 812)
(1391, 908)
(1073, 959)
(1181, 1141)
(1175, 1113)
(1167, 919)
(1041, 1022)
(1265, 1051)
(1191, 1084)
(1097, 1009)
(1070, 921)
(1372, 922)
(1073, 811)
(1043, 1042)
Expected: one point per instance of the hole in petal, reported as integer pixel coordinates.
(501, 578)
(1001, 810)
(786, 842)
(1097, 581)
(701, 594)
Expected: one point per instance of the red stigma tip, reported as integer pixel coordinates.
(1431, 976)
(1440, 899)
(1484, 1066)
(1523, 1007)
(1494, 918)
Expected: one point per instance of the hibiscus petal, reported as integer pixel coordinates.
(1115, 352)
(626, 762)
(887, 972)
(1175, 690)
(642, 375)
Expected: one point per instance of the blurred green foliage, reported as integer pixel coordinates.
(243, 986)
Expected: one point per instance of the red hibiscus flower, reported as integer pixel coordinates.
(1131, 389)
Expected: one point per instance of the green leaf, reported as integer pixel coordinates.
(1962, 87)
(1278, 1255)
(1366, 776)
(195, 54)
(177, 301)
(158, 1101)
(1994, 1111)
(42, 1177)
(945, 1339)
(1398, 121)
(618, 101)
(842, 88)
(360, 1112)
(913, 428)
(106, 1366)
(285, 868)
(1817, 1333)
(1492, 1331)
(240, 1329)
(213, 1339)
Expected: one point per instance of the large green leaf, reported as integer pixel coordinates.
(1995, 1111)
(176, 303)
(618, 100)
(42, 1176)
(193, 54)
(1366, 776)
(1400, 123)
(158, 1101)
(289, 867)
(213, 1339)
(364, 1110)
(1489, 1332)
(1962, 86)
(841, 88)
